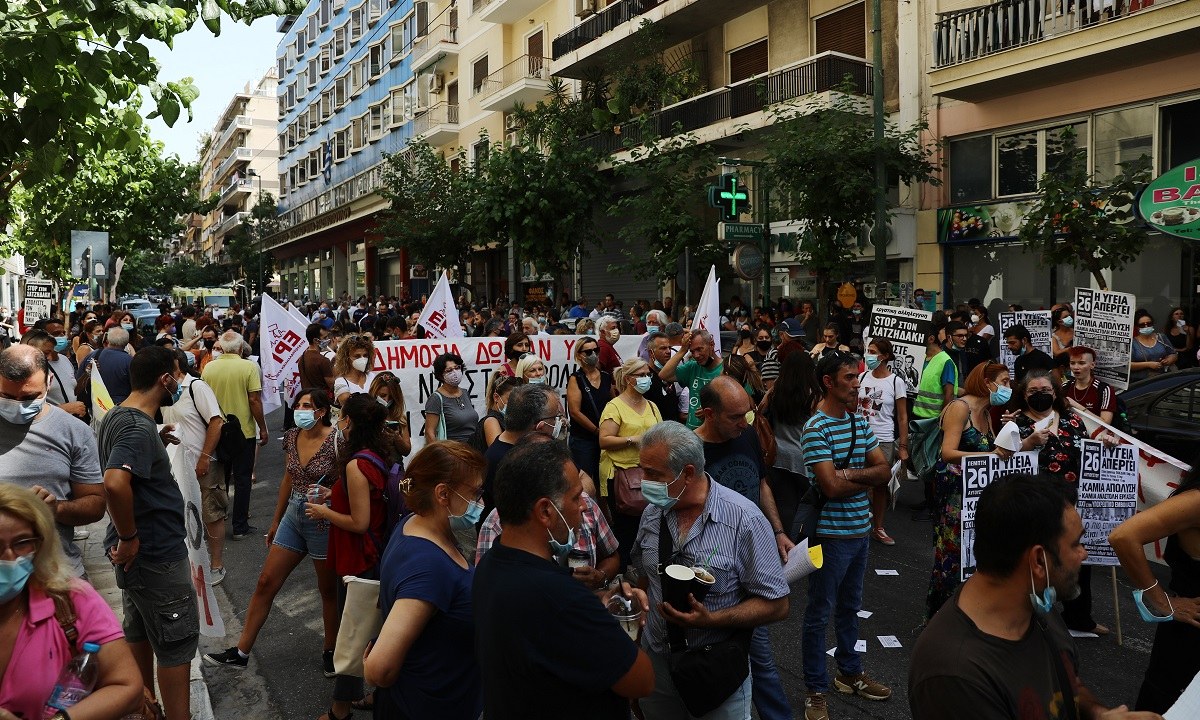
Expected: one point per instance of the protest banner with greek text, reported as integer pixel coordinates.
(1104, 322)
(1037, 322)
(979, 471)
(906, 329)
(1108, 482)
(39, 300)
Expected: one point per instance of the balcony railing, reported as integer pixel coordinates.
(236, 186)
(239, 154)
(231, 222)
(440, 114)
(604, 21)
(526, 67)
(965, 35)
(439, 34)
(819, 73)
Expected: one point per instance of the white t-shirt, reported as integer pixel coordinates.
(191, 420)
(343, 385)
(877, 402)
(986, 331)
(62, 387)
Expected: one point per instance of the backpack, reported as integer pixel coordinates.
(392, 494)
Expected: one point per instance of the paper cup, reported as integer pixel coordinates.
(630, 617)
(703, 583)
(677, 583)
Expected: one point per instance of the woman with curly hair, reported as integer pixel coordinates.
(352, 367)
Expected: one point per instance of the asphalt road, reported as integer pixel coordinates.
(284, 679)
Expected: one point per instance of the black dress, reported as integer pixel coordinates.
(1174, 660)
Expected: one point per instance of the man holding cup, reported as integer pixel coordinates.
(715, 531)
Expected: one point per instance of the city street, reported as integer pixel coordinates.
(284, 679)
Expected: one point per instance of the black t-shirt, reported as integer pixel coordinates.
(737, 464)
(1033, 359)
(546, 646)
(495, 453)
(664, 396)
(129, 441)
(956, 666)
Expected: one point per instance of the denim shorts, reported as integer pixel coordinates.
(301, 534)
(160, 607)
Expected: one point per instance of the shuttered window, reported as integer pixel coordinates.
(479, 72)
(844, 31)
(748, 61)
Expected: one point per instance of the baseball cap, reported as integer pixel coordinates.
(792, 327)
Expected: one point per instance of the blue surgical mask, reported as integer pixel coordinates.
(651, 328)
(1068, 321)
(1146, 331)
(20, 412)
(557, 549)
(60, 343)
(1146, 613)
(1001, 395)
(13, 576)
(127, 326)
(305, 419)
(658, 365)
(642, 384)
(656, 493)
(470, 516)
(872, 361)
(1044, 603)
(537, 380)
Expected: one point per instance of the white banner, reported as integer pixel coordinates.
(1037, 322)
(979, 471)
(282, 343)
(440, 314)
(39, 300)
(1108, 480)
(708, 312)
(295, 312)
(906, 329)
(1104, 322)
(183, 466)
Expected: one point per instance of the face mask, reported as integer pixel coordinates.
(1146, 331)
(20, 412)
(1044, 603)
(642, 384)
(657, 494)
(1041, 402)
(872, 361)
(1181, 324)
(323, 345)
(97, 339)
(305, 419)
(1001, 395)
(191, 360)
(469, 517)
(557, 549)
(210, 342)
(60, 343)
(537, 380)
(651, 328)
(502, 410)
(359, 364)
(764, 345)
(13, 576)
(558, 430)
(452, 378)
(174, 398)
(614, 335)
(384, 402)
(856, 312)
(974, 319)
(1068, 321)
(1145, 612)
(1018, 352)
(341, 434)
(217, 353)
(127, 326)
(744, 334)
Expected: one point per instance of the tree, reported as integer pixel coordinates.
(429, 204)
(821, 162)
(246, 247)
(1083, 221)
(71, 70)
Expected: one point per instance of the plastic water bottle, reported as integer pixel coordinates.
(75, 682)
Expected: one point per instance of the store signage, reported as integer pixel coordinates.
(1171, 203)
(748, 261)
(740, 231)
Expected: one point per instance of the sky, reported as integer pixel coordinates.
(219, 66)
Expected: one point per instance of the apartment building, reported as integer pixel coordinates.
(238, 162)
(1004, 82)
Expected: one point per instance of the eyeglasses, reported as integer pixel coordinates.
(476, 496)
(22, 546)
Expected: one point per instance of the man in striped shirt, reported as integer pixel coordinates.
(844, 459)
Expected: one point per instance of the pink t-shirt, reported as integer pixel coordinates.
(41, 649)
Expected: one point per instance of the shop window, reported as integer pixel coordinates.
(1121, 136)
(748, 61)
(843, 31)
(970, 169)
(1016, 163)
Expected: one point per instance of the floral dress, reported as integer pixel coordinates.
(947, 507)
(1061, 454)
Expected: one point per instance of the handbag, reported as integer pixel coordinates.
(627, 487)
(704, 676)
(441, 428)
(361, 621)
(808, 511)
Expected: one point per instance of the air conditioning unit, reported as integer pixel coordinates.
(584, 8)
(434, 82)
(511, 123)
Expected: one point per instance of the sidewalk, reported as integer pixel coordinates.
(100, 574)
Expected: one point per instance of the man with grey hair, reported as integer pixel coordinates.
(693, 374)
(46, 450)
(237, 384)
(720, 530)
(113, 362)
(656, 320)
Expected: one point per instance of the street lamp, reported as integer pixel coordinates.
(252, 174)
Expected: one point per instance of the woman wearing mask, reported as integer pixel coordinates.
(89, 340)
(449, 413)
(1182, 337)
(745, 343)
(515, 345)
(1152, 353)
(36, 581)
(980, 325)
(310, 466)
(608, 332)
(356, 515)
(423, 661)
(967, 430)
(385, 388)
(1063, 335)
(352, 366)
(762, 346)
(81, 336)
(589, 390)
(883, 401)
(125, 321)
(492, 424)
(531, 369)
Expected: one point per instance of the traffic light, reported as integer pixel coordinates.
(730, 197)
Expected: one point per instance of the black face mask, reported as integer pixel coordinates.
(764, 345)
(209, 342)
(744, 334)
(1041, 402)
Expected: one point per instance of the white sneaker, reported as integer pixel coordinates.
(217, 575)
(82, 533)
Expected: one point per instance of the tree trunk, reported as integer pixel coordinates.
(1096, 270)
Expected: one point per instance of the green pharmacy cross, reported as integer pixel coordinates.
(730, 197)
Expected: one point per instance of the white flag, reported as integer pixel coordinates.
(281, 344)
(440, 316)
(708, 312)
(295, 312)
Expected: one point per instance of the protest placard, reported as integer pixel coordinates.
(39, 300)
(1108, 484)
(906, 329)
(1104, 322)
(1037, 322)
(979, 471)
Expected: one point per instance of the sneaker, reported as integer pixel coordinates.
(229, 658)
(327, 664)
(81, 534)
(861, 685)
(815, 707)
(216, 576)
(243, 535)
(881, 536)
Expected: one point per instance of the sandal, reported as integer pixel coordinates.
(367, 702)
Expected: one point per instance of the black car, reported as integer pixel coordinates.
(1165, 412)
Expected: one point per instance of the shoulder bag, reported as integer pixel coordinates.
(361, 622)
(627, 483)
(233, 442)
(441, 426)
(808, 511)
(925, 441)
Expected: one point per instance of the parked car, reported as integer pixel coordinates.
(1165, 412)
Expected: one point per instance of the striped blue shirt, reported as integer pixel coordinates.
(745, 562)
(827, 439)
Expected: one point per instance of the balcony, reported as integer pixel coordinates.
(438, 125)
(524, 80)
(604, 37)
(744, 101)
(441, 42)
(234, 191)
(228, 224)
(507, 12)
(239, 155)
(238, 122)
(993, 50)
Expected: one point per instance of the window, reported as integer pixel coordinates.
(339, 144)
(312, 74)
(356, 23)
(358, 76)
(843, 31)
(324, 60)
(341, 90)
(338, 5)
(1022, 158)
(1179, 404)
(971, 169)
(375, 10)
(399, 48)
(748, 61)
(339, 43)
(479, 150)
(301, 42)
(358, 135)
(301, 172)
(314, 117)
(314, 164)
(396, 102)
(290, 54)
(313, 30)
(293, 177)
(326, 105)
(281, 66)
(1121, 136)
(376, 115)
(375, 60)
(326, 12)
(291, 96)
(479, 73)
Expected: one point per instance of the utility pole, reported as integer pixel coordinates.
(879, 231)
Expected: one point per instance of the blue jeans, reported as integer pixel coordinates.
(767, 691)
(837, 587)
(664, 702)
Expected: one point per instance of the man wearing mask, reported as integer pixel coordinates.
(689, 515)
(695, 373)
(656, 320)
(1020, 344)
(54, 344)
(113, 363)
(46, 450)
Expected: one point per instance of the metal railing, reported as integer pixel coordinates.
(231, 222)
(236, 186)
(439, 34)
(596, 25)
(819, 73)
(965, 35)
(442, 113)
(526, 67)
(237, 155)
